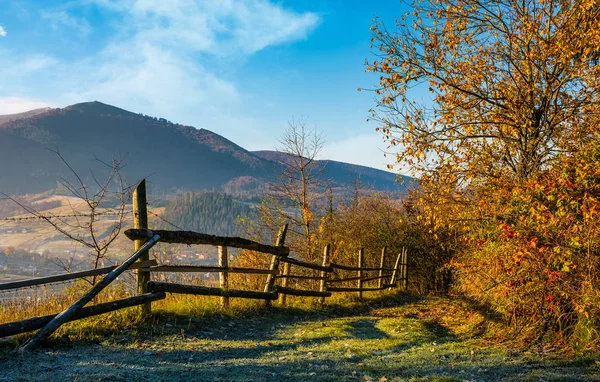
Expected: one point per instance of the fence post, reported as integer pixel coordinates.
(270, 284)
(140, 221)
(396, 268)
(223, 276)
(381, 264)
(361, 257)
(405, 270)
(284, 283)
(323, 286)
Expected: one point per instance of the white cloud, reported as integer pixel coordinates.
(216, 27)
(13, 105)
(2, 31)
(174, 59)
(169, 56)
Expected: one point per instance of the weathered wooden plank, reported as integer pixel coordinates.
(70, 276)
(347, 268)
(381, 264)
(270, 283)
(223, 281)
(12, 328)
(323, 282)
(189, 237)
(304, 264)
(284, 277)
(356, 278)
(405, 270)
(206, 291)
(395, 273)
(300, 292)
(140, 221)
(336, 289)
(64, 316)
(284, 282)
(361, 259)
(208, 269)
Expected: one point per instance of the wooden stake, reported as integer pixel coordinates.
(323, 286)
(284, 283)
(140, 221)
(395, 274)
(223, 280)
(405, 269)
(270, 284)
(381, 264)
(361, 256)
(71, 311)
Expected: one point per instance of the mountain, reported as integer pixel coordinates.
(172, 156)
(344, 174)
(30, 113)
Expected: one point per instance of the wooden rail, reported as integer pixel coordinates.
(358, 278)
(68, 313)
(69, 276)
(347, 268)
(35, 323)
(149, 291)
(189, 237)
(363, 289)
(209, 269)
(301, 292)
(156, 286)
(304, 264)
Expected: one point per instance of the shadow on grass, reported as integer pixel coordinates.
(259, 346)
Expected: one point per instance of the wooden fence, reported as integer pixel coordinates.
(328, 278)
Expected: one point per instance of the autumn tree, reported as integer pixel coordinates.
(512, 84)
(507, 150)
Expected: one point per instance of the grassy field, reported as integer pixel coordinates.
(391, 338)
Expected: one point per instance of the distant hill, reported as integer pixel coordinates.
(173, 156)
(14, 117)
(206, 211)
(344, 174)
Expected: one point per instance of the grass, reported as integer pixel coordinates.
(385, 338)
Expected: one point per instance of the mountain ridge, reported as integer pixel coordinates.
(178, 156)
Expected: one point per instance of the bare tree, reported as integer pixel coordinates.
(83, 225)
(297, 187)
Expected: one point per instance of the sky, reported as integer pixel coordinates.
(240, 68)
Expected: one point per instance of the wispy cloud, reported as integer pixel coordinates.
(168, 59)
(176, 59)
(2, 31)
(13, 105)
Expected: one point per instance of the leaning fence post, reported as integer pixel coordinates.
(72, 310)
(381, 264)
(361, 256)
(284, 283)
(323, 286)
(223, 276)
(405, 270)
(270, 284)
(396, 268)
(140, 221)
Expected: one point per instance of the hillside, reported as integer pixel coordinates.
(207, 211)
(343, 174)
(174, 156)
(14, 117)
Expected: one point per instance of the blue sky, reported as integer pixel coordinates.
(239, 68)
